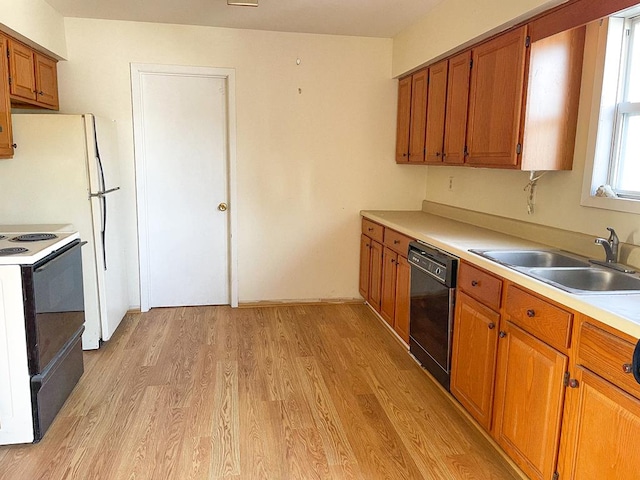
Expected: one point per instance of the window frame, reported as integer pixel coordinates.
(604, 124)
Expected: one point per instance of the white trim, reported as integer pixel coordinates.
(228, 74)
(601, 121)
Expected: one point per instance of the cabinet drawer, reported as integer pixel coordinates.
(549, 323)
(607, 355)
(481, 285)
(396, 241)
(372, 230)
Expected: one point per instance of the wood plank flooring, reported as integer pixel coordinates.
(296, 392)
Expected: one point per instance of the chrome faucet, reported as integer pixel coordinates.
(610, 246)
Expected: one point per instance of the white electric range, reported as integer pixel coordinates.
(41, 324)
(27, 248)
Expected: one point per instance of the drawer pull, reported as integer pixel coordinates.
(491, 326)
(370, 229)
(627, 368)
(395, 242)
(474, 283)
(573, 383)
(531, 313)
(502, 334)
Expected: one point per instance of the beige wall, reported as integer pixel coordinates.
(500, 192)
(35, 22)
(455, 22)
(307, 163)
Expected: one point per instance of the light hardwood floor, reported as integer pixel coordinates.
(296, 392)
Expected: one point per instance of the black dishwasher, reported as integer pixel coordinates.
(433, 281)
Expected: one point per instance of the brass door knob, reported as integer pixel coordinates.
(223, 207)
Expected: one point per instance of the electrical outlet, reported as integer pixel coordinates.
(450, 183)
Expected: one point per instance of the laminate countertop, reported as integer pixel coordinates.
(621, 311)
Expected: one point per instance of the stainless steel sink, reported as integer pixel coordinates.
(565, 271)
(532, 258)
(587, 280)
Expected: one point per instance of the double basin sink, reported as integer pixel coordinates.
(565, 271)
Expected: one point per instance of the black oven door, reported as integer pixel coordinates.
(431, 323)
(54, 304)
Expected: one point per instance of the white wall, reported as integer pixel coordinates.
(307, 163)
(35, 22)
(500, 192)
(452, 23)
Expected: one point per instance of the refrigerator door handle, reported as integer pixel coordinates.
(102, 193)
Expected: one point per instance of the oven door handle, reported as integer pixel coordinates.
(58, 254)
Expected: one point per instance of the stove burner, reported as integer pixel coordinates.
(4, 252)
(34, 237)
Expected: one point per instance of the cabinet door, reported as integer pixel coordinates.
(455, 131)
(495, 105)
(404, 120)
(435, 117)
(403, 298)
(375, 275)
(6, 138)
(365, 264)
(21, 71)
(417, 133)
(46, 73)
(528, 401)
(473, 357)
(389, 272)
(602, 432)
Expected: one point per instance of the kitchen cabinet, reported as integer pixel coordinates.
(417, 130)
(396, 283)
(403, 120)
(601, 428)
(497, 87)
(385, 275)
(530, 377)
(412, 115)
(436, 104)
(505, 103)
(475, 341)
(371, 263)
(6, 137)
(475, 344)
(513, 122)
(455, 129)
(32, 77)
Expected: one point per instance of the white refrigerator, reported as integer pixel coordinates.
(65, 171)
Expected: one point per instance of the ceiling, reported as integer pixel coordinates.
(369, 18)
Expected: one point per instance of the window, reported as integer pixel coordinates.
(614, 133)
(624, 167)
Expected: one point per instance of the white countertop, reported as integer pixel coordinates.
(621, 311)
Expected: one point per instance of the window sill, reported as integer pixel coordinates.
(626, 205)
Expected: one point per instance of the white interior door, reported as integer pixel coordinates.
(180, 125)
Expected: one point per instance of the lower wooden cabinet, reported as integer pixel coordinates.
(389, 275)
(529, 400)
(403, 298)
(602, 433)
(475, 343)
(385, 275)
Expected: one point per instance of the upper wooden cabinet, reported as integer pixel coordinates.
(403, 120)
(497, 85)
(436, 111)
(506, 103)
(455, 130)
(32, 77)
(6, 137)
(419, 88)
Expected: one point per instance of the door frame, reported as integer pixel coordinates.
(138, 71)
